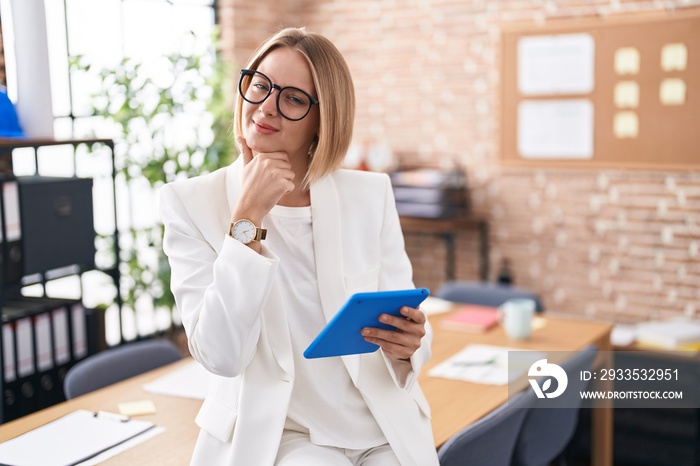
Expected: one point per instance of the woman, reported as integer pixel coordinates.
(265, 251)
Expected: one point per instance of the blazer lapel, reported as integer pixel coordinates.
(328, 252)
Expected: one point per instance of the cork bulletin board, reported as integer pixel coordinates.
(640, 108)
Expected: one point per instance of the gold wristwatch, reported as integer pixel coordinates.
(246, 232)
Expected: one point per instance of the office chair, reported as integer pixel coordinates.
(117, 364)
(484, 293)
(546, 432)
(490, 440)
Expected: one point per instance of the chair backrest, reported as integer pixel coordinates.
(490, 440)
(484, 293)
(116, 364)
(547, 431)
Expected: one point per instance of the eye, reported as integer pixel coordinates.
(260, 85)
(296, 98)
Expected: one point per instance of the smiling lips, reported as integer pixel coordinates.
(264, 129)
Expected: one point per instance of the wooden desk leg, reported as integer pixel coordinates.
(484, 250)
(602, 416)
(449, 256)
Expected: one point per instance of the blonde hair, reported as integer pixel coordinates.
(334, 89)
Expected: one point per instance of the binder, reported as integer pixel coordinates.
(80, 338)
(10, 389)
(11, 231)
(20, 395)
(8, 352)
(55, 351)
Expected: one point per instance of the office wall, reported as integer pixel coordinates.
(623, 245)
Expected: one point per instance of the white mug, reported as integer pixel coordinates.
(516, 317)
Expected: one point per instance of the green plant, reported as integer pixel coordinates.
(170, 119)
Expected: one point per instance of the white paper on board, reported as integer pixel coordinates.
(555, 129)
(559, 64)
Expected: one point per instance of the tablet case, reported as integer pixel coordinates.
(341, 336)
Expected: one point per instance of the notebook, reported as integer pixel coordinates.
(471, 318)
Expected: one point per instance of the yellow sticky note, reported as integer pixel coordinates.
(626, 125)
(672, 91)
(674, 57)
(538, 322)
(137, 408)
(627, 94)
(627, 60)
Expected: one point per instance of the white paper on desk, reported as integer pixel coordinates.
(433, 305)
(114, 451)
(70, 439)
(190, 381)
(484, 364)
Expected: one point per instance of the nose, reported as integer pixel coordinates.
(269, 105)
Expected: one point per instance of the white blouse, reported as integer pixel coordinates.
(324, 400)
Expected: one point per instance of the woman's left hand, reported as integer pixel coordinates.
(401, 343)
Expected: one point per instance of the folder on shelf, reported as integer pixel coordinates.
(80, 338)
(61, 342)
(72, 439)
(51, 330)
(25, 347)
(8, 352)
(11, 231)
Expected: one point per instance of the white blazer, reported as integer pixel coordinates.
(235, 320)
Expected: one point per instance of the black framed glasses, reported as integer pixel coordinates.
(292, 103)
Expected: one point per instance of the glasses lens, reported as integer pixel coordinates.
(254, 87)
(294, 104)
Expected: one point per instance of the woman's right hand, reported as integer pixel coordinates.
(267, 177)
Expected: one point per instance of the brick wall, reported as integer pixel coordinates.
(620, 245)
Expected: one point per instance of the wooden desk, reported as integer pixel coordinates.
(454, 404)
(175, 414)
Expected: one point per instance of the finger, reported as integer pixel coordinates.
(399, 338)
(403, 324)
(245, 150)
(416, 315)
(393, 350)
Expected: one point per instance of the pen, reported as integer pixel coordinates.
(112, 416)
(487, 362)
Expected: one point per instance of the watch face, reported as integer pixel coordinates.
(243, 231)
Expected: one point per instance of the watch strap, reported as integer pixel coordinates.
(260, 234)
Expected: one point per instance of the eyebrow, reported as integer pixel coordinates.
(277, 83)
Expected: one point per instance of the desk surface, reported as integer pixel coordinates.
(451, 413)
(454, 404)
(175, 414)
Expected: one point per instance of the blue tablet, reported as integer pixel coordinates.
(341, 336)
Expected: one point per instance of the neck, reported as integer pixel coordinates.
(296, 198)
(299, 197)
